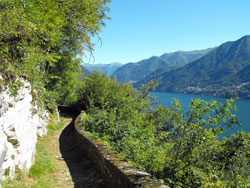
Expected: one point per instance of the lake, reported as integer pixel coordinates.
(242, 113)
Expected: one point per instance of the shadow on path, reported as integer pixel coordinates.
(82, 171)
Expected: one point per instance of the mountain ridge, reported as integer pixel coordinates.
(133, 72)
(227, 66)
(107, 68)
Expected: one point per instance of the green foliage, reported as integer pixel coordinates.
(236, 158)
(99, 91)
(40, 40)
(55, 125)
(181, 148)
(194, 140)
(84, 73)
(43, 163)
(14, 87)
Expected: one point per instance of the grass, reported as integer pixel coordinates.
(41, 172)
(42, 166)
(54, 125)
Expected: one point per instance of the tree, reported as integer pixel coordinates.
(40, 40)
(193, 141)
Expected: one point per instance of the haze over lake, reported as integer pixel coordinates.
(243, 105)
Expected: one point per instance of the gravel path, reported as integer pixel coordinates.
(82, 171)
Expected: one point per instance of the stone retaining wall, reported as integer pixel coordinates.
(115, 171)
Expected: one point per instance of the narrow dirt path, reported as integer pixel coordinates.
(61, 176)
(82, 171)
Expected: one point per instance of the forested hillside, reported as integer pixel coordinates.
(40, 41)
(222, 72)
(134, 72)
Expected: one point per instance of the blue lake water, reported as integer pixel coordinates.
(242, 113)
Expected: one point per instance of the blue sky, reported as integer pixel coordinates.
(140, 29)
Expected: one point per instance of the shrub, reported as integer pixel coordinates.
(181, 148)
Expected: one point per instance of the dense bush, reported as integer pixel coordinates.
(181, 148)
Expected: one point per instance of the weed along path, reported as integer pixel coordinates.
(58, 162)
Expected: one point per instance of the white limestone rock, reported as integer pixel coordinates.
(19, 127)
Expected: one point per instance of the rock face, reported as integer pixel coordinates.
(20, 124)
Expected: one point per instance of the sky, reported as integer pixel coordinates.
(139, 29)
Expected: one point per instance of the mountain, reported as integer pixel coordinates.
(133, 72)
(184, 57)
(108, 68)
(224, 71)
(84, 73)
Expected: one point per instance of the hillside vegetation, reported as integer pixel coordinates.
(222, 72)
(133, 72)
(181, 148)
